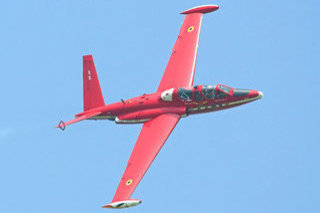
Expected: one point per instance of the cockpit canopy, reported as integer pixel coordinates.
(204, 92)
(185, 94)
(223, 91)
(208, 91)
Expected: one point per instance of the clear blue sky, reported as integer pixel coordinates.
(262, 157)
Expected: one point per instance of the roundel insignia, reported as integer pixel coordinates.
(190, 29)
(129, 182)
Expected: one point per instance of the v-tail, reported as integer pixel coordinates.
(92, 94)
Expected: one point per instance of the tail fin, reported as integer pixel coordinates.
(92, 95)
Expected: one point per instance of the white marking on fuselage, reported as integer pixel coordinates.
(167, 95)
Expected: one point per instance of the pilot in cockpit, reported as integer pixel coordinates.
(208, 91)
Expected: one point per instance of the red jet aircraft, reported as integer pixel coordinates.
(175, 98)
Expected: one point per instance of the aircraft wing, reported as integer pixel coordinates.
(180, 68)
(153, 135)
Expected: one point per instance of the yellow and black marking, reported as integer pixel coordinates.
(200, 103)
(129, 182)
(204, 102)
(190, 29)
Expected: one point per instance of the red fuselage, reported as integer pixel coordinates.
(181, 101)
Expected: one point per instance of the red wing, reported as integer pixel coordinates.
(153, 135)
(180, 68)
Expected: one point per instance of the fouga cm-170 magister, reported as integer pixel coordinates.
(175, 98)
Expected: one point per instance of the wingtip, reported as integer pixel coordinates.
(201, 9)
(123, 204)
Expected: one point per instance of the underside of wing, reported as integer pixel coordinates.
(153, 135)
(180, 68)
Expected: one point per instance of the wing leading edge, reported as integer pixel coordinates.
(180, 68)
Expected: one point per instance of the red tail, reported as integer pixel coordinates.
(92, 95)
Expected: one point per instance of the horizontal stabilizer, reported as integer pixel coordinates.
(62, 125)
(123, 204)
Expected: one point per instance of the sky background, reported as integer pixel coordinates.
(261, 157)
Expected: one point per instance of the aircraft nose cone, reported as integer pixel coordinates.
(255, 94)
(260, 95)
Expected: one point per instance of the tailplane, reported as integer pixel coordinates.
(92, 95)
(62, 125)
